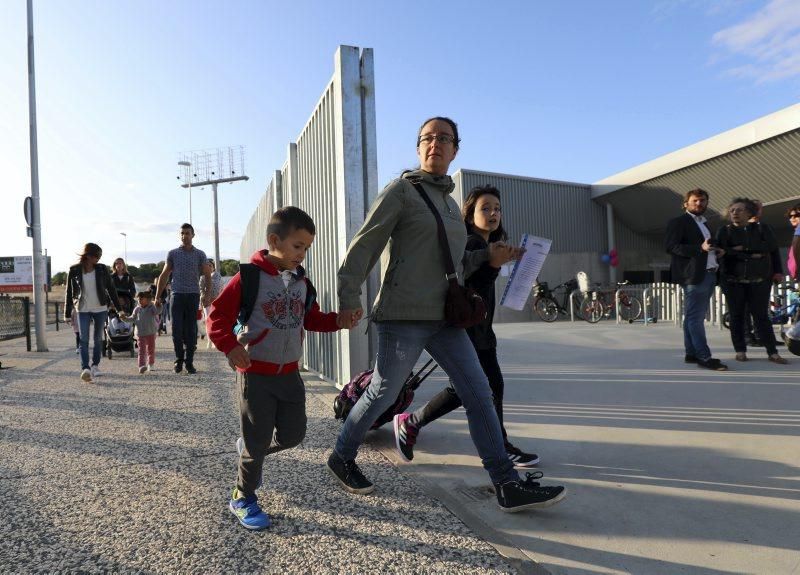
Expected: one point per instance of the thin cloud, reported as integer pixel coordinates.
(769, 39)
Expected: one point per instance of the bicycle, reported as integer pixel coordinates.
(545, 303)
(599, 305)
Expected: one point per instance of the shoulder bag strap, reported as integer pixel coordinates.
(443, 243)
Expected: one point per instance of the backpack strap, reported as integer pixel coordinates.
(311, 294)
(249, 275)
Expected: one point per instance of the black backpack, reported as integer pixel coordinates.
(356, 387)
(250, 277)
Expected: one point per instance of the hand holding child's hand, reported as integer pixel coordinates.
(239, 357)
(349, 318)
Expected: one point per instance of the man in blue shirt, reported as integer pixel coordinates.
(186, 263)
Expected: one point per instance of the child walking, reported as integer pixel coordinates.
(145, 317)
(483, 218)
(274, 301)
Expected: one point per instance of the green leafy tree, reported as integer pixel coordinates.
(228, 267)
(59, 279)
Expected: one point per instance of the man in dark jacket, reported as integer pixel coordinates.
(694, 266)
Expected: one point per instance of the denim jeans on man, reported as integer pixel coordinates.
(184, 308)
(99, 321)
(400, 344)
(695, 299)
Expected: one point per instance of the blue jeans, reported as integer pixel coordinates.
(99, 321)
(400, 344)
(184, 308)
(696, 302)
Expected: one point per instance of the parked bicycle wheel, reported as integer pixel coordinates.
(591, 310)
(546, 308)
(631, 309)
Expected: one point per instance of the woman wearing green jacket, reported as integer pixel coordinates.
(409, 316)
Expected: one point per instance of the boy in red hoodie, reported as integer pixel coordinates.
(266, 350)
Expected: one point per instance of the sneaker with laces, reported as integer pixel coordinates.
(248, 512)
(349, 475)
(521, 459)
(514, 496)
(405, 436)
(86, 376)
(96, 371)
(142, 369)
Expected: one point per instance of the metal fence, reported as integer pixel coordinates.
(331, 172)
(15, 318)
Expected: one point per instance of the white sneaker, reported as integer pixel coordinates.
(143, 369)
(149, 368)
(96, 371)
(86, 376)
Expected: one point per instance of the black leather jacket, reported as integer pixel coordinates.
(105, 288)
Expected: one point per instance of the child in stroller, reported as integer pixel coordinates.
(118, 335)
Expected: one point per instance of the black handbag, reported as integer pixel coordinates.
(463, 307)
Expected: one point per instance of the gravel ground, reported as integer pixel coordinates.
(132, 475)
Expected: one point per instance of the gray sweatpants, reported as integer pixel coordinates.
(273, 418)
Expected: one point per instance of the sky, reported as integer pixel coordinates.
(575, 90)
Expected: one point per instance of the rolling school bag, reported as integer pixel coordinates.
(356, 387)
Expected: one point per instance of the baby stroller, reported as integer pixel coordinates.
(118, 336)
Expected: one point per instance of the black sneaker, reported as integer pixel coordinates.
(519, 458)
(688, 358)
(178, 366)
(712, 364)
(513, 496)
(405, 436)
(349, 475)
(190, 367)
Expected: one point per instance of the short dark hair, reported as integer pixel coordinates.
(287, 219)
(468, 211)
(187, 227)
(695, 192)
(794, 209)
(451, 123)
(148, 294)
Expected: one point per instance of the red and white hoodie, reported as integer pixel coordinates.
(273, 335)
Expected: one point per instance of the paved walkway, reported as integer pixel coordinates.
(133, 474)
(671, 469)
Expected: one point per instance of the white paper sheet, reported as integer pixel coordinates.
(525, 271)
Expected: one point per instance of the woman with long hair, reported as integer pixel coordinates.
(124, 285)
(90, 291)
(409, 315)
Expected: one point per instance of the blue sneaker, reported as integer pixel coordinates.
(248, 512)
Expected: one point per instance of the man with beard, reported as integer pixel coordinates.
(694, 266)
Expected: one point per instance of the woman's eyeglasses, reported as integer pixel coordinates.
(794, 215)
(441, 138)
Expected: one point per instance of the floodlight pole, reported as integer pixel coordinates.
(38, 284)
(216, 228)
(188, 166)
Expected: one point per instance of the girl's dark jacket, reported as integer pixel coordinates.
(482, 281)
(105, 288)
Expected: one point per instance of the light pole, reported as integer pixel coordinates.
(125, 236)
(188, 165)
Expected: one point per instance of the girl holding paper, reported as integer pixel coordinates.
(483, 218)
